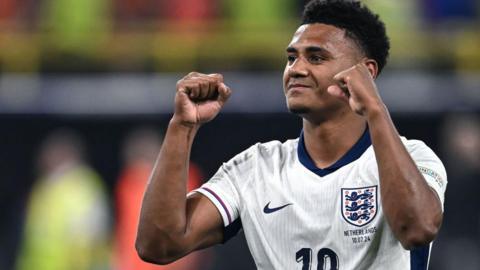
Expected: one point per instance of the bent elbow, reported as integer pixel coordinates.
(162, 251)
(152, 255)
(417, 237)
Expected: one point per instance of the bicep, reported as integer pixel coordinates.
(204, 222)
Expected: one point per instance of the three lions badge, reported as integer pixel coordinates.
(359, 205)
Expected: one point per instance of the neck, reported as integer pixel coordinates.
(327, 141)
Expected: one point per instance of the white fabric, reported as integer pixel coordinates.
(272, 173)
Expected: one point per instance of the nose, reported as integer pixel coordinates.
(298, 68)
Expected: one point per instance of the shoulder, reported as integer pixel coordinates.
(426, 159)
(418, 148)
(274, 152)
(276, 147)
(266, 152)
(412, 143)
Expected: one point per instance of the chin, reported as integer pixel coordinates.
(298, 105)
(299, 109)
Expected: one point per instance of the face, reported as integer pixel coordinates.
(316, 53)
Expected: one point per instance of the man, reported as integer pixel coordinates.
(349, 193)
(67, 223)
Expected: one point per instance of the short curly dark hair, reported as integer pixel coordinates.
(360, 24)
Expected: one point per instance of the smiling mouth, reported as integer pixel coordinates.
(297, 87)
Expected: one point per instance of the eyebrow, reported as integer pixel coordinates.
(310, 49)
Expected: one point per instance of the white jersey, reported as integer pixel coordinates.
(297, 216)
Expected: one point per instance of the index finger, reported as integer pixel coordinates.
(217, 76)
(342, 74)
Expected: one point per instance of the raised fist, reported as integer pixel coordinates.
(199, 98)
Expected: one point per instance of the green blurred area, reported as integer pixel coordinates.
(152, 36)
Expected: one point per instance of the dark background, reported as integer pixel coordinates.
(216, 142)
(106, 67)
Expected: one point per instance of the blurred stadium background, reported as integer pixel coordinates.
(89, 85)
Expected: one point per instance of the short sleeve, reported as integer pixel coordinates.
(430, 166)
(223, 188)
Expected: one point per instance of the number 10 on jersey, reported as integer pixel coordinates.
(327, 259)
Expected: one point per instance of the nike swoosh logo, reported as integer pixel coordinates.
(268, 210)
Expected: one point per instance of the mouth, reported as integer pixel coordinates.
(297, 87)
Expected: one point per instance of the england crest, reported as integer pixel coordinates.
(359, 205)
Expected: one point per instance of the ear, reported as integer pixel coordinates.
(372, 66)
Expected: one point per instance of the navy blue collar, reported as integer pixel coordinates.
(353, 154)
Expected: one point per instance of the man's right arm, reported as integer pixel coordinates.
(172, 225)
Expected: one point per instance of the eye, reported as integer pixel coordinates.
(315, 58)
(291, 58)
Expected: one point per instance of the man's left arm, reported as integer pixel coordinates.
(411, 207)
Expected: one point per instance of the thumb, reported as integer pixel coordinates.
(182, 98)
(182, 93)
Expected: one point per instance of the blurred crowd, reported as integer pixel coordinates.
(147, 35)
(74, 218)
(460, 233)
(72, 223)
